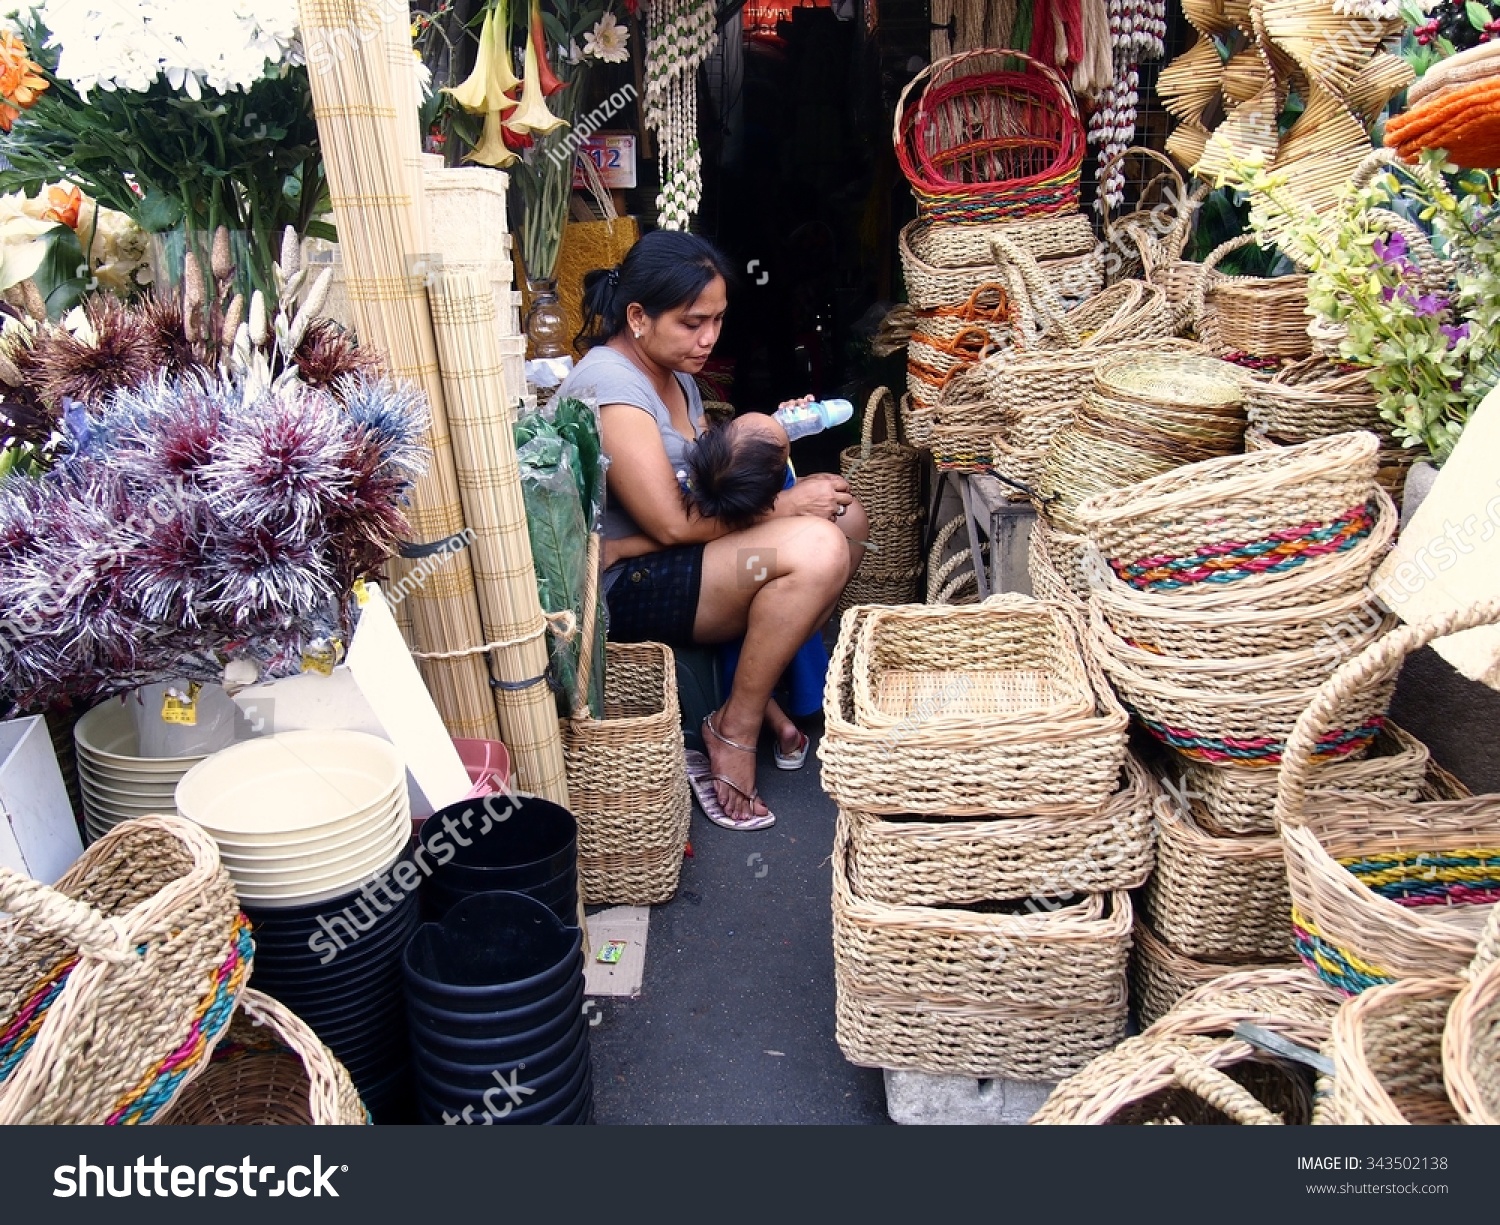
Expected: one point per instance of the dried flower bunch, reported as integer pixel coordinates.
(185, 525)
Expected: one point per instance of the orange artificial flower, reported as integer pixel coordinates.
(20, 82)
(63, 204)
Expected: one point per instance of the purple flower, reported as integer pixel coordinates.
(1391, 250)
(1455, 334)
(1429, 304)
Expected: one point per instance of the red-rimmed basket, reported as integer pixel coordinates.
(990, 135)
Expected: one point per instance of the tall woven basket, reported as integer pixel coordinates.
(269, 1068)
(627, 778)
(1385, 890)
(886, 477)
(122, 976)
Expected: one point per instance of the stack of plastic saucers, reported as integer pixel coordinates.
(527, 845)
(495, 997)
(116, 783)
(311, 826)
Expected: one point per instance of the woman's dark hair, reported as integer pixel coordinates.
(733, 479)
(665, 269)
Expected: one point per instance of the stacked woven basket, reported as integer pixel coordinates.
(1226, 592)
(990, 823)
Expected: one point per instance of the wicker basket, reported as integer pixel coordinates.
(1340, 848)
(1242, 519)
(1237, 801)
(1471, 1040)
(1242, 723)
(269, 1068)
(1187, 1079)
(1218, 899)
(1284, 999)
(1028, 990)
(1258, 316)
(1160, 976)
(1388, 1055)
(963, 767)
(1313, 398)
(1014, 661)
(981, 141)
(944, 265)
(122, 978)
(931, 862)
(1152, 238)
(1054, 561)
(627, 779)
(886, 477)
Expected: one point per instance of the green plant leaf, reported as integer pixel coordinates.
(159, 211)
(1478, 15)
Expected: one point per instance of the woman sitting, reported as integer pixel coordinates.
(673, 573)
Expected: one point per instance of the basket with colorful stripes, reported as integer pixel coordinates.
(1385, 890)
(120, 978)
(988, 136)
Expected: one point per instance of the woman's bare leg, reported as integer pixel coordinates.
(787, 734)
(774, 584)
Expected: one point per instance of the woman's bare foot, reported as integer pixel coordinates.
(733, 755)
(788, 735)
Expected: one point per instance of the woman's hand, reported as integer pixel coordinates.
(822, 494)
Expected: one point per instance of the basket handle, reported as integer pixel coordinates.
(1378, 662)
(1210, 265)
(972, 312)
(1171, 167)
(881, 396)
(1489, 945)
(1043, 301)
(94, 934)
(1222, 1092)
(590, 621)
(945, 66)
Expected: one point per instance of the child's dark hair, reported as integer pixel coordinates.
(733, 479)
(665, 269)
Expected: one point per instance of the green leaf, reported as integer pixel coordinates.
(1478, 15)
(159, 211)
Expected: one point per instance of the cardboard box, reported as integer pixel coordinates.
(38, 833)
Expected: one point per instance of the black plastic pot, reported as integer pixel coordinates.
(501, 1040)
(475, 1065)
(559, 895)
(492, 953)
(536, 842)
(434, 1098)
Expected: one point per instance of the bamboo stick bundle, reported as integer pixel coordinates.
(489, 481)
(365, 133)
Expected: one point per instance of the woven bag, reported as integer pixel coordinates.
(627, 777)
(1387, 1046)
(123, 976)
(973, 769)
(1242, 519)
(1367, 873)
(1254, 316)
(950, 575)
(269, 1068)
(1188, 1080)
(1160, 976)
(1471, 1039)
(982, 140)
(1152, 239)
(1029, 990)
(926, 861)
(886, 477)
(1218, 899)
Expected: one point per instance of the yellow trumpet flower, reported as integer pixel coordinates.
(492, 149)
(485, 89)
(532, 114)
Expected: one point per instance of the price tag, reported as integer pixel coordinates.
(181, 709)
(323, 659)
(361, 592)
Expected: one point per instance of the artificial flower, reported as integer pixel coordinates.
(532, 114)
(23, 243)
(20, 82)
(550, 83)
(492, 149)
(607, 41)
(488, 87)
(63, 203)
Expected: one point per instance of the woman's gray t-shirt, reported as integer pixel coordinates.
(606, 377)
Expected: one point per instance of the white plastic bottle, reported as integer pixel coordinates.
(800, 420)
